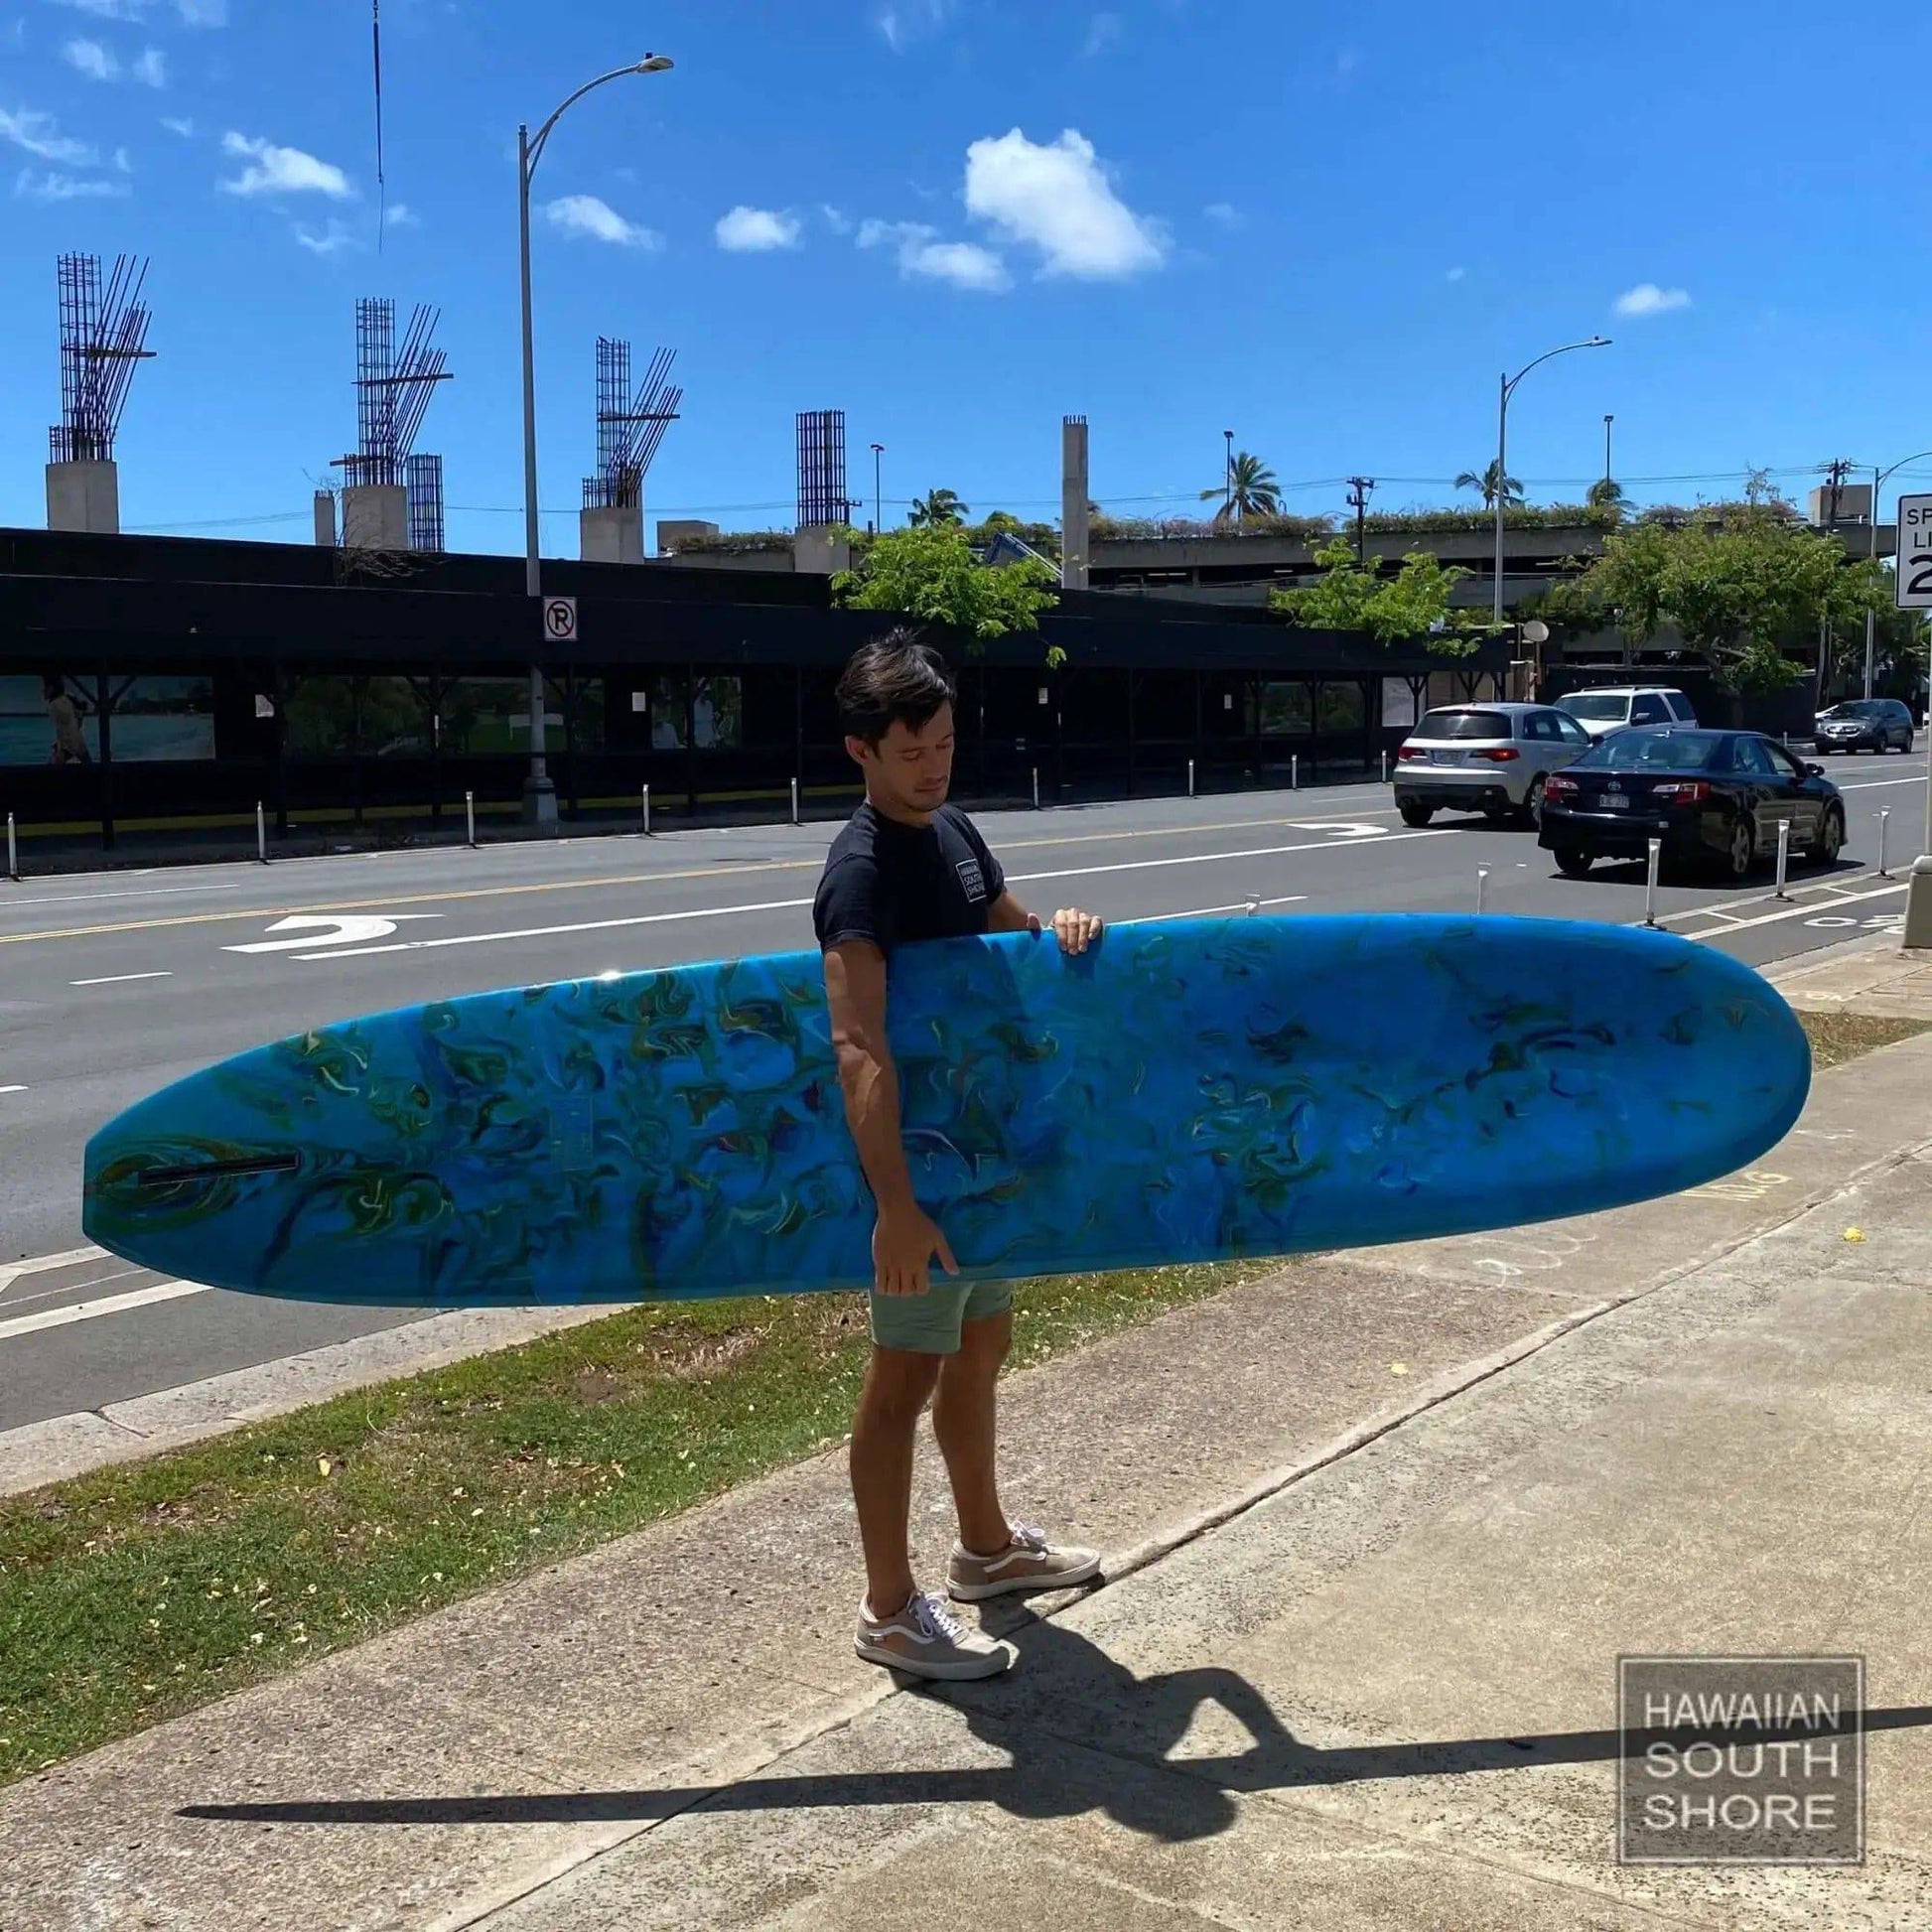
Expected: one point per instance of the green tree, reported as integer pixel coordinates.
(1413, 603)
(929, 575)
(1486, 482)
(1739, 587)
(1002, 520)
(1250, 490)
(936, 510)
(1607, 493)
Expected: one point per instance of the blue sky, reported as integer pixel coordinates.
(956, 219)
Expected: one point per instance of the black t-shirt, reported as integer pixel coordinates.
(895, 883)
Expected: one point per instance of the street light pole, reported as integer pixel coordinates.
(1506, 390)
(1871, 550)
(1227, 478)
(878, 501)
(1607, 421)
(539, 793)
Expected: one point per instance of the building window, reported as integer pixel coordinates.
(47, 721)
(1341, 707)
(1284, 710)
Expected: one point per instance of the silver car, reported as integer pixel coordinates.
(1484, 758)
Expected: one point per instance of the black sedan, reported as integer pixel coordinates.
(1865, 724)
(1707, 795)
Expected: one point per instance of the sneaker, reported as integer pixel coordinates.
(925, 1639)
(1028, 1563)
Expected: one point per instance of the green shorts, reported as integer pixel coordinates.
(930, 1324)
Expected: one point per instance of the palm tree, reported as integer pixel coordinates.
(937, 509)
(1486, 482)
(1250, 490)
(1606, 493)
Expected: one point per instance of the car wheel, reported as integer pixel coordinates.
(1572, 861)
(1532, 812)
(1829, 842)
(1413, 812)
(1740, 851)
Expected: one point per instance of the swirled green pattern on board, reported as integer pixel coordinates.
(1186, 1091)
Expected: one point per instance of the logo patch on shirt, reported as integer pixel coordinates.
(969, 876)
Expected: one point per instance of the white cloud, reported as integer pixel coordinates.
(35, 131)
(594, 221)
(756, 230)
(1224, 214)
(123, 161)
(92, 59)
(330, 241)
(906, 21)
(399, 216)
(150, 69)
(835, 218)
(1103, 30)
(106, 9)
(965, 264)
(176, 125)
(1456, 274)
(50, 186)
(1059, 199)
(1647, 299)
(282, 171)
(203, 13)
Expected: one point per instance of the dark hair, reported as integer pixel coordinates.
(892, 680)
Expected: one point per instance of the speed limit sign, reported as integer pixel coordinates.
(560, 618)
(1912, 588)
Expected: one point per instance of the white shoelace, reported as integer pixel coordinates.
(932, 1615)
(1028, 1538)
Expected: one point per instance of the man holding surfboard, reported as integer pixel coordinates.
(909, 866)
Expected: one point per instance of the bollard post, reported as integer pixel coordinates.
(1190, 778)
(13, 850)
(1482, 881)
(470, 816)
(794, 801)
(261, 834)
(1385, 767)
(1784, 855)
(647, 807)
(1295, 772)
(1036, 787)
(1882, 873)
(1650, 881)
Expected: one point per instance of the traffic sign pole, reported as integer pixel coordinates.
(1912, 591)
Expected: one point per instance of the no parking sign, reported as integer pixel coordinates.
(560, 620)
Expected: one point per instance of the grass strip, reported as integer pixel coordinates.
(140, 1592)
(137, 1593)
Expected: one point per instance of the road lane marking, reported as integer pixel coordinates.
(351, 928)
(1789, 912)
(12, 1271)
(121, 979)
(611, 881)
(791, 905)
(1209, 911)
(88, 898)
(138, 1298)
(13, 1089)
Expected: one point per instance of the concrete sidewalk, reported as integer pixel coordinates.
(1379, 1527)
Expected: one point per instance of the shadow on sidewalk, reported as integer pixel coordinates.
(1069, 1693)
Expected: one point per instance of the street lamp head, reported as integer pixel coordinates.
(1597, 341)
(655, 63)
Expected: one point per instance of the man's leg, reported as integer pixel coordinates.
(897, 1383)
(963, 1419)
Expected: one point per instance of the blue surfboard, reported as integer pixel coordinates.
(1189, 1090)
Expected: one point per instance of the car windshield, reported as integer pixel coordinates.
(1857, 708)
(1594, 704)
(1463, 723)
(1652, 751)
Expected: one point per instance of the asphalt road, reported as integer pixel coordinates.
(113, 984)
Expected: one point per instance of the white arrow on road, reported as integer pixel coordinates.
(308, 930)
(1348, 831)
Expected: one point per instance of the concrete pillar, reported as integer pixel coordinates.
(820, 549)
(1074, 497)
(375, 516)
(84, 496)
(611, 536)
(326, 520)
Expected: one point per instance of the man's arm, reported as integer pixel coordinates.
(905, 1238)
(1074, 929)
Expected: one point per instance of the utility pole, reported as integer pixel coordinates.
(1227, 477)
(1358, 492)
(878, 501)
(1835, 474)
(1607, 421)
